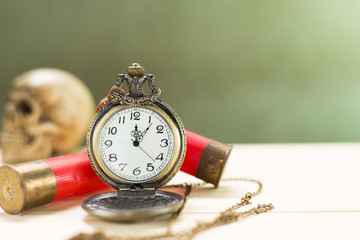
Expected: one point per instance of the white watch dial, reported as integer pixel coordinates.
(136, 144)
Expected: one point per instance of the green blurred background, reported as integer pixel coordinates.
(237, 71)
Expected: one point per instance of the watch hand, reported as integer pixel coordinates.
(135, 134)
(145, 131)
(146, 153)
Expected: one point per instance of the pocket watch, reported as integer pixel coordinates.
(136, 144)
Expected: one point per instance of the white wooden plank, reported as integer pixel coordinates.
(314, 188)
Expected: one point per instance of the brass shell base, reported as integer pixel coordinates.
(213, 161)
(26, 185)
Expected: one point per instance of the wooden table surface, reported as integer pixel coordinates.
(315, 189)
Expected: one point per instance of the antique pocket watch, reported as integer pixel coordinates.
(136, 144)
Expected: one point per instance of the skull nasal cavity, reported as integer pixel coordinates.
(25, 108)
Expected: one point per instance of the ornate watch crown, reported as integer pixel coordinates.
(135, 70)
(135, 80)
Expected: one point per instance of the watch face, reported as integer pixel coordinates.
(135, 144)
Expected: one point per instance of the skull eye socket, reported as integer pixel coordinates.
(25, 108)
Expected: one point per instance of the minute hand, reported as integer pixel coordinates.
(145, 131)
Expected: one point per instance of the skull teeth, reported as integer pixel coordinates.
(15, 139)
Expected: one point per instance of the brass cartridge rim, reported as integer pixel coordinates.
(26, 185)
(213, 161)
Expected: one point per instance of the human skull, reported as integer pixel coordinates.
(47, 113)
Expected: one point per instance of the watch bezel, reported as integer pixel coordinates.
(159, 180)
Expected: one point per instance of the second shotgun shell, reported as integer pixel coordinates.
(205, 158)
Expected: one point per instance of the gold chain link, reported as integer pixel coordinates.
(230, 215)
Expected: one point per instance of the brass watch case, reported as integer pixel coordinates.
(159, 180)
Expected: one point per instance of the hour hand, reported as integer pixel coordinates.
(136, 135)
